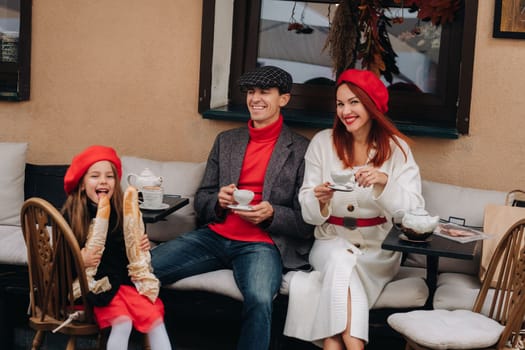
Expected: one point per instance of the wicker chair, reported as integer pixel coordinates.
(54, 262)
(498, 313)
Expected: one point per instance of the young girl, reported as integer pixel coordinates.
(93, 174)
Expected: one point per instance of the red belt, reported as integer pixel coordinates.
(352, 223)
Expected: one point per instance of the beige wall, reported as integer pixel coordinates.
(125, 73)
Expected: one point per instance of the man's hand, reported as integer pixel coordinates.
(225, 196)
(261, 212)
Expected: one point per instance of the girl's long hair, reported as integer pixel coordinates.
(76, 210)
(381, 132)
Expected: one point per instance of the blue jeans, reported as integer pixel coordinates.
(257, 269)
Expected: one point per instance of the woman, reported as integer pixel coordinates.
(330, 305)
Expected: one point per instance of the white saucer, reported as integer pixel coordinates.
(341, 188)
(240, 207)
(162, 207)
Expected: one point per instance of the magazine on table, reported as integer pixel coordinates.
(459, 233)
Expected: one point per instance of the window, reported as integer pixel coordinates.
(439, 106)
(15, 47)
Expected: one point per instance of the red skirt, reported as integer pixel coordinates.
(129, 303)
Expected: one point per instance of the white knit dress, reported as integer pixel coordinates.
(318, 300)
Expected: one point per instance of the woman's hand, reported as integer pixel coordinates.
(369, 176)
(324, 195)
(144, 243)
(225, 196)
(91, 257)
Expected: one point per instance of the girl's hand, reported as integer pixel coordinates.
(91, 257)
(369, 176)
(144, 243)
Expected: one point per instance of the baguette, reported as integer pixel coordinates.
(139, 267)
(96, 241)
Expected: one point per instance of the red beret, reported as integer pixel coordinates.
(82, 161)
(369, 83)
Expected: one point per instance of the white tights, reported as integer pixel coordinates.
(158, 337)
(121, 330)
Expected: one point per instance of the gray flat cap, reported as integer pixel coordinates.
(267, 77)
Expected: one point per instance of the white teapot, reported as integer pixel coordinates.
(145, 178)
(418, 220)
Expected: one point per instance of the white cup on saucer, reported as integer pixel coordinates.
(152, 197)
(341, 177)
(243, 197)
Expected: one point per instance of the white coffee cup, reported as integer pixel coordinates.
(152, 197)
(341, 177)
(243, 197)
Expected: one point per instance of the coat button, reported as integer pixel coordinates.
(350, 207)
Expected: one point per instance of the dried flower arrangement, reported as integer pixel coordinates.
(359, 31)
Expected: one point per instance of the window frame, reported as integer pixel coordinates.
(448, 108)
(19, 73)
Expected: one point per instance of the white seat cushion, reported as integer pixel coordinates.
(456, 291)
(408, 289)
(459, 291)
(220, 282)
(450, 297)
(458, 279)
(443, 329)
(12, 246)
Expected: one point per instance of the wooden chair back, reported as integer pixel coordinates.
(54, 263)
(506, 300)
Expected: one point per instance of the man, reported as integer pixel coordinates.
(267, 158)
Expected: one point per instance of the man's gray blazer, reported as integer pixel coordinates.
(284, 177)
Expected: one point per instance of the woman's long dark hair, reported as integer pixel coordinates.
(76, 210)
(382, 131)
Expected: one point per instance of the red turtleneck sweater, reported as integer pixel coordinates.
(256, 158)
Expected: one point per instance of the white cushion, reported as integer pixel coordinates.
(460, 280)
(12, 176)
(463, 202)
(443, 329)
(470, 267)
(459, 291)
(450, 297)
(12, 246)
(182, 178)
(448, 201)
(408, 289)
(220, 282)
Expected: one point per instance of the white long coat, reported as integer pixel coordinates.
(317, 307)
